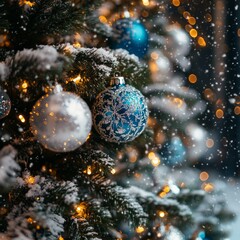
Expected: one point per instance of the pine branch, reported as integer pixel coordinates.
(81, 229)
(154, 203)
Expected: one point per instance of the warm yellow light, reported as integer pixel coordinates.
(166, 189)
(151, 155)
(155, 161)
(204, 176)
(145, 2)
(103, 19)
(192, 78)
(77, 45)
(89, 170)
(60, 238)
(154, 55)
(113, 171)
(140, 229)
(30, 180)
(209, 143)
(22, 119)
(186, 15)
(24, 84)
(193, 33)
(161, 214)
(162, 194)
(219, 113)
(237, 110)
(208, 187)
(192, 20)
(76, 79)
(176, 3)
(177, 101)
(81, 209)
(30, 220)
(202, 42)
(24, 2)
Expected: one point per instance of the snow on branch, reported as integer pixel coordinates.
(8, 167)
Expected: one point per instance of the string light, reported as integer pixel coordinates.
(140, 229)
(60, 238)
(204, 176)
(209, 143)
(208, 187)
(193, 33)
(88, 171)
(81, 210)
(103, 19)
(237, 110)
(146, 2)
(202, 42)
(30, 180)
(113, 171)
(176, 3)
(162, 214)
(192, 78)
(24, 2)
(22, 119)
(219, 113)
(155, 160)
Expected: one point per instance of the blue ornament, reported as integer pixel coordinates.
(131, 35)
(202, 236)
(173, 152)
(120, 112)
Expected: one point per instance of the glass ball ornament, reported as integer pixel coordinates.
(61, 121)
(173, 152)
(173, 234)
(5, 104)
(120, 112)
(130, 35)
(178, 42)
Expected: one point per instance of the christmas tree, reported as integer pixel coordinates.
(97, 128)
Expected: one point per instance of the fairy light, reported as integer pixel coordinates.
(88, 171)
(113, 171)
(161, 214)
(154, 55)
(192, 78)
(186, 15)
(219, 113)
(4, 42)
(103, 19)
(21, 118)
(140, 229)
(162, 194)
(209, 143)
(166, 189)
(202, 42)
(208, 187)
(176, 3)
(60, 238)
(77, 79)
(193, 33)
(30, 180)
(192, 20)
(30, 220)
(237, 110)
(24, 2)
(146, 2)
(155, 160)
(81, 210)
(204, 176)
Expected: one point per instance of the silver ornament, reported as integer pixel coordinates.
(173, 234)
(177, 42)
(5, 104)
(61, 121)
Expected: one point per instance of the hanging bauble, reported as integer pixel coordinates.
(173, 151)
(5, 104)
(173, 234)
(177, 42)
(130, 35)
(61, 121)
(196, 141)
(120, 112)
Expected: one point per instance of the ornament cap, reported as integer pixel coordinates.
(117, 80)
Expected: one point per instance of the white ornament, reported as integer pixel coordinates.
(61, 121)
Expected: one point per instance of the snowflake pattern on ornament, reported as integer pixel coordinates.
(120, 113)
